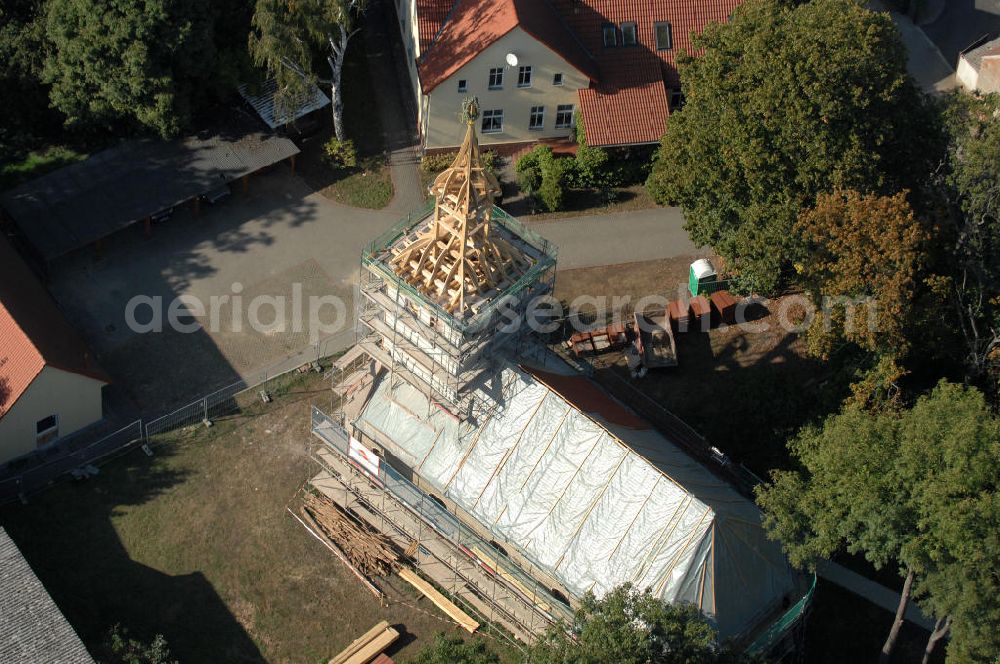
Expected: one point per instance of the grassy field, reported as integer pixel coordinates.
(36, 164)
(195, 544)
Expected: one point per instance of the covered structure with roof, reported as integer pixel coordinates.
(32, 629)
(263, 100)
(614, 62)
(80, 204)
(979, 67)
(590, 495)
(50, 383)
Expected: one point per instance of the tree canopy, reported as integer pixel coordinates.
(135, 60)
(787, 101)
(450, 649)
(917, 489)
(631, 627)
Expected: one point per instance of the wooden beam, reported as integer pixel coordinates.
(442, 602)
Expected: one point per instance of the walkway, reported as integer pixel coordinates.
(397, 110)
(622, 237)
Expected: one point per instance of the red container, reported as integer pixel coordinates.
(724, 305)
(679, 313)
(700, 309)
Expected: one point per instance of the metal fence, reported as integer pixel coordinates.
(445, 523)
(23, 477)
(35, 478)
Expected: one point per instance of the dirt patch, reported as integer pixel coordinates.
(746, 390)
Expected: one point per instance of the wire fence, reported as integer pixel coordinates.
(79, 455)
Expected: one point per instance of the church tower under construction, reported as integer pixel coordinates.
(447, 289)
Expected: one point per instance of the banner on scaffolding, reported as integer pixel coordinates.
(364, 457)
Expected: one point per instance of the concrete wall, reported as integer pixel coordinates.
(989, 74)
(75, 399)
(406, 11)
(442, 128)
(966, 76)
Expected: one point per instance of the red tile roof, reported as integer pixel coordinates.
(588, 397)
(614, 113)
(431, 15)
(627, 108)
(475, 25)
(33, 332)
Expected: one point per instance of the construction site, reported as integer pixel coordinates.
(466, 456)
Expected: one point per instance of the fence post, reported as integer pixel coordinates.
(205, 420)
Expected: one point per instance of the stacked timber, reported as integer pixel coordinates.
(368, 550)
(368, 646)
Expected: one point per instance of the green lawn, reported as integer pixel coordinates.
(37, 163)
(196, 544)
(370, 188)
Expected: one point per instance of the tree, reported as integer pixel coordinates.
(285, 33)
(448, 649)
(915, 488)
(631, 627)
(126, 650)
(134, 60)
(786, 101)
(971, 184)
(863, 258)
(22, 56)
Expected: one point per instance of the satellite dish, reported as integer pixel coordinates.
(511, 60)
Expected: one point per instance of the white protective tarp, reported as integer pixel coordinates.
(569, 491)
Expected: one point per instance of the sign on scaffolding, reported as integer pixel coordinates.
(363, 457)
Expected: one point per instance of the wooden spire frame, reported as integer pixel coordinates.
(457, 260)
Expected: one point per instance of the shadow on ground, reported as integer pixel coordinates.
(69, 538)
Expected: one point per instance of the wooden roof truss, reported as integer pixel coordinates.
(458, 260)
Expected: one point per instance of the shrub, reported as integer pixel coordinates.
(553, 187)
(529, 169)
(592, 169)
(340, 154)
(435, 163)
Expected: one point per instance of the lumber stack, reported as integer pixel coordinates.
(371, 552)
(368, 646)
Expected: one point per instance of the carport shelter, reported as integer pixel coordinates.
(82, 203)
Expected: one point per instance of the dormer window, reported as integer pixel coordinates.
(610, 34)
(629, 34)
(664, 36)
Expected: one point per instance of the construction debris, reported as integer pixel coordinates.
(371, 552)
(368, 646)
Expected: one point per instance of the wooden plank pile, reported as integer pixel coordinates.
(371, 552)
(368, 646)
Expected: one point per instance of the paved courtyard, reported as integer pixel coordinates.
(277, 240)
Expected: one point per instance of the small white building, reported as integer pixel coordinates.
(50, 385)
(979, 68)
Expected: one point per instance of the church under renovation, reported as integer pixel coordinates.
(487, 439)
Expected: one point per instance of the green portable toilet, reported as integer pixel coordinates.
(702, 279)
